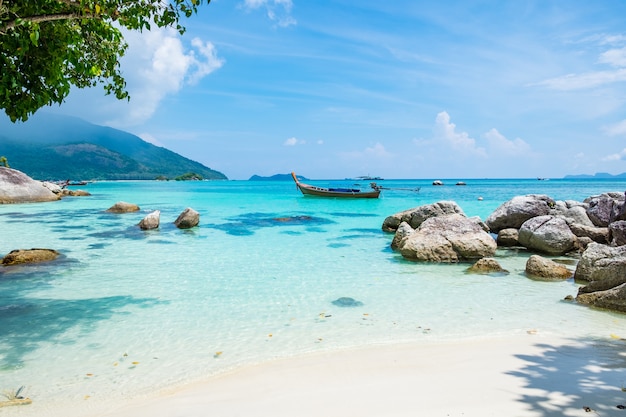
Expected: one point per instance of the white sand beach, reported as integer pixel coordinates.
(527, 375)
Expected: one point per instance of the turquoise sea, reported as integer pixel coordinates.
(127, 313)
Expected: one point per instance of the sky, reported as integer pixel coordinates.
(396, 89)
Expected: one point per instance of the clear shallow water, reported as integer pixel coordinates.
(126, 312)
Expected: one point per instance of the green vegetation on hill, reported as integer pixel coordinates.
(51, 147)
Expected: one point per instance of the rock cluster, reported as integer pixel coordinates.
(594, 229)
(439, 232)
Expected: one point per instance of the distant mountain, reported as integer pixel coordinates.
(276, 177)
(598, 175)
(55, 147)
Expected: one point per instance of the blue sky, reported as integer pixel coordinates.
(398, 89)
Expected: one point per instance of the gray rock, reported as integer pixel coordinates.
(603, 266)
(187, 219)
(123, 207)
(449, 238)
(547, 234)
(597, 234)
(151, 221)
(487, 266)
(617, 233)
(613, 299)
(574, 215)
(604, 208)
(416, 216)
(508, 237)
(17, 187)
(513, 213)
(538, 267)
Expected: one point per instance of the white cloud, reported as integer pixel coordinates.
(377, 151)
(157, 64)
(582, 81)
(294, 142)
(461, 142)
(500, 145)
(320, 142)
(616, 129)
(620, 156)
(278, 11)
(614, 57)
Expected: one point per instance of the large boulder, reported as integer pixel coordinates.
(576, 214)
(123, 207)
(513, 213)
(24, 256)
(187, 219)
(449, 238)
(416, 216)
(547, 234)
(603, 266)
(17, 187)
(541, 268)
(151, 221)
(605, 208)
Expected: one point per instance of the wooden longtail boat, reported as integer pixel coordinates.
(336, 192)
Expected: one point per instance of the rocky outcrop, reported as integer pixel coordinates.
(17, 187)
(547, 234)
(416, 216)
(487, 266)
(538, 267)
(448, 238)
(513, 213)
(604, 268)
(402, 232)
(75, 193)
(187, 219)
(151, 221)
(123, 207)
(23, 256)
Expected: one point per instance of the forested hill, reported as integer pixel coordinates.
(55, 147)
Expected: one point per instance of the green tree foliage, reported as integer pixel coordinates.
(46, 46)
(4, 162)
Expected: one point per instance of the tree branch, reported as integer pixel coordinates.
(46, 18)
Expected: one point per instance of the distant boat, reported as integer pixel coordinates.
(336, 192)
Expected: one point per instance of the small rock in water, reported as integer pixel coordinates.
(347, 302)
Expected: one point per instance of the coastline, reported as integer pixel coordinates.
(525, 375)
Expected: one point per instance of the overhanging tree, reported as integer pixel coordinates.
(46, 46)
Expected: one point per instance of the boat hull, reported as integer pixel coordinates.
(311, 190)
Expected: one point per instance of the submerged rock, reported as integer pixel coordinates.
(23, 256)
(123, 207)
(347, 302)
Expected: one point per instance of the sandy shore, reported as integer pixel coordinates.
(527, 375)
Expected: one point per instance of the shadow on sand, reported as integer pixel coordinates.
(581, 377)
